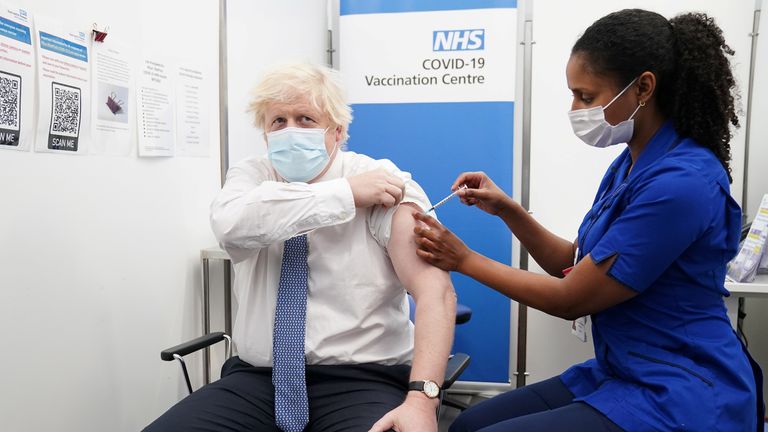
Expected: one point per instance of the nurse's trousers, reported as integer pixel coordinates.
(544, 406)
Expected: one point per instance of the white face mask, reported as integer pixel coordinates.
(590, 125)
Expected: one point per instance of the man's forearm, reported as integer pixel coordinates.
(434, 323)
(260, 215)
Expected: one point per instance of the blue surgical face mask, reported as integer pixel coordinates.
(298, 154)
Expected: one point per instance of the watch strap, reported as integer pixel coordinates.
(419, 386)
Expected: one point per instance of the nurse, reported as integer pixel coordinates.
(648, 265)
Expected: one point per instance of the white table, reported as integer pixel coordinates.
(756, 288)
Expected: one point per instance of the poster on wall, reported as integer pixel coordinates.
(192, 112)
(63, 73)
(17, 79)
(155, 108)
(432, 86)
(112, 96)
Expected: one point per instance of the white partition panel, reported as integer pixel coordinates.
(757, 178)
(756, 322)
(260, 35)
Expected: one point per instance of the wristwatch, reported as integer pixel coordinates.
(428, 387)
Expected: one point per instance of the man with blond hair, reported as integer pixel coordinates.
(322, 243)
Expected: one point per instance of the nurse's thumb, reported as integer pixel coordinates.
(478, 194)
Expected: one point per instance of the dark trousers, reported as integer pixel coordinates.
(341, 398)
(544, 406)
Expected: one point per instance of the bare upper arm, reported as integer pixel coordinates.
(416, 274)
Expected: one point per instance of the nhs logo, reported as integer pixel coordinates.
(458, 40)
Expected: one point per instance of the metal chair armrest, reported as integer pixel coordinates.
(192, 345)
(456, 365)
(179, 351)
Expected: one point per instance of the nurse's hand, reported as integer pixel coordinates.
(437, 245)
(482, 192)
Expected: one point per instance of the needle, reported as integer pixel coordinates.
(444, 200)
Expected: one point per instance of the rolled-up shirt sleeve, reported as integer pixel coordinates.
(380, 218)
(252, 212)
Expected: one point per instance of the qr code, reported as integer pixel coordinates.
(65, 115)
(10, 95)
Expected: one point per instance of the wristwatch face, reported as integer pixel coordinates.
(431, 389)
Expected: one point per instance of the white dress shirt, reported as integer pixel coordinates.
(357, 310)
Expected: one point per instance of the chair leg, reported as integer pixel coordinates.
(453, 403)
(184, 369)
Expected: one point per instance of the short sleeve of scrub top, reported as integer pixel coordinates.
(661, 220)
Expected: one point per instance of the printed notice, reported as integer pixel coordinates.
(192, 112)
(112, 94)
(155, 109)
(17, 79)
(64, 93)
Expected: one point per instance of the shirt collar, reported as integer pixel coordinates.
(662, 141)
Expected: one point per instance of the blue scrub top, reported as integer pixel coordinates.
(667, 359)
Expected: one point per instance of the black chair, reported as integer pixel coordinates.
(456, 365)
(463, 315)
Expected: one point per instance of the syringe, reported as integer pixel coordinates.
(444, 200)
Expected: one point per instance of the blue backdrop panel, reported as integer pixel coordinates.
(350, 7)
(436, 142)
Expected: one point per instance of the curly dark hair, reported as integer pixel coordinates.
(689, 56)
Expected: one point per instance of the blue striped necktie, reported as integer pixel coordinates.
(288, 373)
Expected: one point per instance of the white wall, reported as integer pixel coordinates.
(564, 172)
(99, 266)
(261, 35)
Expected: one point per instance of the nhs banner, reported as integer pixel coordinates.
(399, 51)
(432, 85)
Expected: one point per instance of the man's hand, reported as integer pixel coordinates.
(416, 414)
(377, 187)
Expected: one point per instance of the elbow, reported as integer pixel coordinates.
(447, 298)
(439, 295)
(569, 315)
(569, 310)
(224, 228)
(231, 233)
(563, 304)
